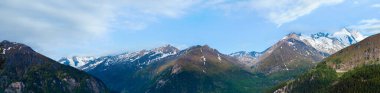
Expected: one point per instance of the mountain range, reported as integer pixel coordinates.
(325, 43)
(200, 68)
(168, 69)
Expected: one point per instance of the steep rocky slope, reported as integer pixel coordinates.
(288, 54)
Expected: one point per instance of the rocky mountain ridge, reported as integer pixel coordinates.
(22, 70)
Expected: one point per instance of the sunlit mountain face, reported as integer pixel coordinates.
(189, 46)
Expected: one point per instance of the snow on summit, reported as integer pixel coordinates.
(330, 43)
(76, 61)
(138, 58)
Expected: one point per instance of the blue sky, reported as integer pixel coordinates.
(63, 28)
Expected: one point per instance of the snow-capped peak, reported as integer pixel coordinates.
(76, 61)
(324, 42)
(354, 33)
(137, 58)
(330, 43)
(164, 51)
(348, 37)
(343, 32)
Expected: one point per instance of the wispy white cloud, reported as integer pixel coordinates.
(277, 11)
(79, 24)
(375, 5)
(53, 26)
(368, 26)
(355, 2)
(137, 14)
(289, 10)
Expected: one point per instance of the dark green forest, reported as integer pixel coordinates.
(323, 79)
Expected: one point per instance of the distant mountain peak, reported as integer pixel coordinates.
(355, 34)
(343, 31)
(199, 46)
(202, 58)
(253, 53)
(5, 41)
(348, 36)
(166, 49)
(314, 47)
(292, 35)
(8, 43)
(206, 46)
(202, 48)
(247, 58)
(76, 61)
(331, 43)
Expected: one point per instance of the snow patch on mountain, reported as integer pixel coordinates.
(5, 49)
(203, 59)
(246, 58)
(219, 58)
(91, 66)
